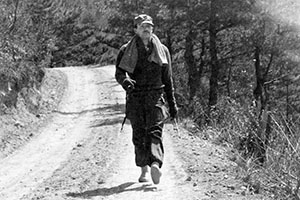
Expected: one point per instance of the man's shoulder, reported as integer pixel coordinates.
(124, 46)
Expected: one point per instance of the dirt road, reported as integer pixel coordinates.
(80, 153)
(92, 103)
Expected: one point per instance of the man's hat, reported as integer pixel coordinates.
(143, 19)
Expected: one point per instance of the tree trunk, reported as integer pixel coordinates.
(213, 90)
(193, 80)
(260, 94)
(169, 42)
(202, 59)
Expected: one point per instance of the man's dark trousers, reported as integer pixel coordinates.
(147, 112)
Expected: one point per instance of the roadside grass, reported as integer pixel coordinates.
(239, 129)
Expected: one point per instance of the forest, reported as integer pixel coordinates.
(235, 66)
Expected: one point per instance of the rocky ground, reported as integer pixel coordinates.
(72, 148)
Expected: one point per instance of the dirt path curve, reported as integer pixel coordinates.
(90, 91)
(29, 166)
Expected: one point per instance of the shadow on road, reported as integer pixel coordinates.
(113, 190)
(109, 115)
(77, 113)
(112, 82)
(120, 108)
(106, 122)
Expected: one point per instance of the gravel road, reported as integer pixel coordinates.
(80, 152)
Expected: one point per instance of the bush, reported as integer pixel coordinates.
(14, 77)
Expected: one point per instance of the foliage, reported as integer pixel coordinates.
(79, 34)
(18, 46)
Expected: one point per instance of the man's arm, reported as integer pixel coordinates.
(120, 74)
(168, 82)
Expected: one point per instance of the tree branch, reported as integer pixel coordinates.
(234, 56)
(268, 67)
(12, 26)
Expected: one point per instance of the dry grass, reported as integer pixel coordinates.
(280, 173)
(240, 129)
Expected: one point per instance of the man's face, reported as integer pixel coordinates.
(144, 31)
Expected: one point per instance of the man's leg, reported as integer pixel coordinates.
(135, 113)
(156, 152)
(155, 145)
(144, 174)
(155, 123)
(141, 152)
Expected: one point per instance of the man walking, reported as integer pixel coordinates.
(143, 68)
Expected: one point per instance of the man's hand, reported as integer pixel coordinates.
(128, 84)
